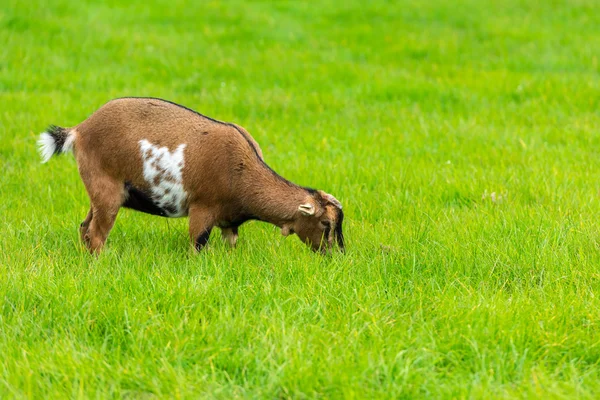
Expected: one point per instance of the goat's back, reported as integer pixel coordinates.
(120, 136)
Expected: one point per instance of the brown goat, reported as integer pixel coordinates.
(161, 158)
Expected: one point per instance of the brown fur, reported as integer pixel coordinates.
(225, 177)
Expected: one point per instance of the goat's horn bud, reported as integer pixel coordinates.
(333, 200)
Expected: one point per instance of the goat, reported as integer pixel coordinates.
(161, 158)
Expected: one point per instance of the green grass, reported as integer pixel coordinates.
(411, 113)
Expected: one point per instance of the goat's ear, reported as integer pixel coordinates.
(307, 209)
(330, 199)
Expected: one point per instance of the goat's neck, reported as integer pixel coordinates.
(271, 198)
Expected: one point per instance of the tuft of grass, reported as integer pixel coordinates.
(462, 139)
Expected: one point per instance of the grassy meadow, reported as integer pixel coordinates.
(463, 139)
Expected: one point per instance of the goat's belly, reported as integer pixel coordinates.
(158, 200)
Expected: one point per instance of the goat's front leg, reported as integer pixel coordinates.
(201, 224)
(230, 235)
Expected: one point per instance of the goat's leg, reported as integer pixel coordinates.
(106, 195)
(83, 228)
(230, 235)
(201, 224)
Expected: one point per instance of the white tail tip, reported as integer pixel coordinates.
(46, 146)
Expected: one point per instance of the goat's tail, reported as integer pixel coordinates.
(55, 140)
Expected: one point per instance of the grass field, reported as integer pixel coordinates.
(463, 139)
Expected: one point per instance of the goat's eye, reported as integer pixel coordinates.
(326, 224)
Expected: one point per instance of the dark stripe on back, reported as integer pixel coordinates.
(201, 115)
(310, 190)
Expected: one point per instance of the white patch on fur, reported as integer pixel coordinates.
(46, 146)
(163, 172)
(68, 145)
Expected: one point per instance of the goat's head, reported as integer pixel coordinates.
(318, 222)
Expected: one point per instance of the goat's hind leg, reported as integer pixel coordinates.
(106, 195)
(83, 228)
